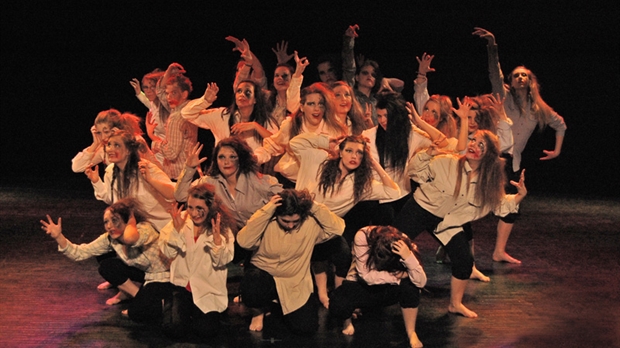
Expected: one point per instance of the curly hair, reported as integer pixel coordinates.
(206, 193)
(127, 206)
(295, 202)
(125, 121)
(184, 83)
(491, 175)
(355, 115)
(539, 107)
(393, 142)
(380, 254)
(261, 112)
(329, 172)
(247, 161)
(329, 116)
(128, 178)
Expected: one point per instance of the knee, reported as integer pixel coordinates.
(462, 268)
(409, 294)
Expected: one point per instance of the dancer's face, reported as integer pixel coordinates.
(313, 109)
(227, 161)
(113, 224)
(197, 210)
(327, 73)
(382, 118)
(344, 100)
(351, 155)
(289, 222)
(431, 113)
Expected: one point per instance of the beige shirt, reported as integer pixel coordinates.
(437, 177)
(286, 255)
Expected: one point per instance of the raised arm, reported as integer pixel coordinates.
(495, 72)
(436, 136)
(348, 54)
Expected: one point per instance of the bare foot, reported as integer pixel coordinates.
(104, 286)
(414, 341)
(476, 274)
(118, 298)
(348, 330)
(257, 323)
(125, 313)
(504, 257)
(462, 310)
(324, 300)
(237, 299)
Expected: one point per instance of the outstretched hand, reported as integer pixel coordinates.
(215, 227)
(92, 172)
(549, 154)
(193, 158)
(211, 92)
(352, 31)
(178, 220)
(136, 85)
(51, 228)
(281, 52)
(485, 34)
(463, 109)
(521, 189)
(424, 64)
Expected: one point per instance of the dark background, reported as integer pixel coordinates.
(63, 63)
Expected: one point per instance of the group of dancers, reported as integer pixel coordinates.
(333, 179)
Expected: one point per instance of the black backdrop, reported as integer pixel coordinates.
(63, 63)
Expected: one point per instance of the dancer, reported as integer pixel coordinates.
(134, 240)
(455, 190)
(386, 269)
(282, 236)
(527, 110)
(200, 244)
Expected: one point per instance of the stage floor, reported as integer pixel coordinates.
(565, 294)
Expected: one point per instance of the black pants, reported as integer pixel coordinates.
(351, 295)
(414, 220)
(148, 305)
(181, 316)
(116, 272)
(259, 290)
(335, 251)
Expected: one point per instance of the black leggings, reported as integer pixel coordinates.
(258, 289)
(182, 317)
(351, 295)
(117, 272)
(413, 220)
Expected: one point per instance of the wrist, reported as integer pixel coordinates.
(419, 73)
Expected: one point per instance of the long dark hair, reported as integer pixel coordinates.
(380, 254)
(128, 179)
(260, 112)
(206, 193)
(329, 172)
(247, 161)
(393, 142)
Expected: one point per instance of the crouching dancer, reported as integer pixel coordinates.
(282, 236)
(137, 259)
(386, 269)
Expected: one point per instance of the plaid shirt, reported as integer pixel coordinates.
(144, 254)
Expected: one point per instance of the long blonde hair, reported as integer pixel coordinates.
(539, 108)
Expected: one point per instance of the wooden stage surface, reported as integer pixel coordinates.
(565, 294)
